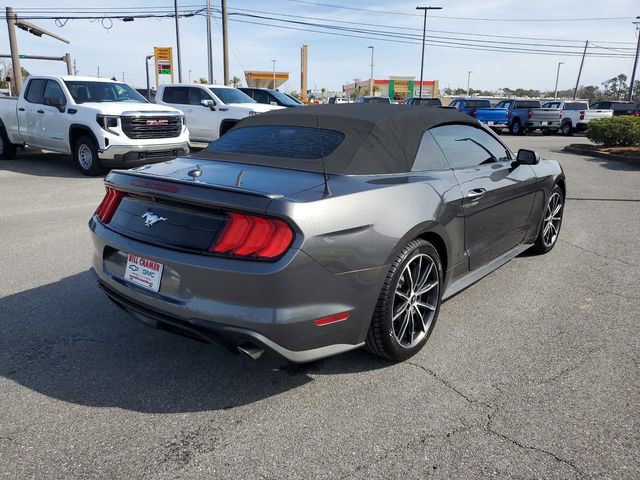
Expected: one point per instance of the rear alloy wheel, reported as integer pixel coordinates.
(516, 127)
(551, 223)
(566, 129)
(7, 149)
(408, 305)
(86, 155)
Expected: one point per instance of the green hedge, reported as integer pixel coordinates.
(620, 131)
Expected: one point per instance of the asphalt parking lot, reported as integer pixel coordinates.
(534, 372)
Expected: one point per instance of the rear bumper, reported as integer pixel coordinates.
(124, 155)
(494, 124)
(543, 124)
(273, 305)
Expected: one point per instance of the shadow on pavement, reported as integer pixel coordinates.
(615, 164)
(43, 164)
(67, 341)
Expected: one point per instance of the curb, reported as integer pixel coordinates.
(595, 153)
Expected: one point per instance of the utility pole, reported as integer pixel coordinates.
(371, 77)
(175, 8)
(303, 72)
(190, 75)
(98, 71)
(67, 60)
(209, 45)
(555, 94)
(584, 53)
(75, 68)
(274, 73)
(225, 43)
(635, 62)
(468, 81)
(146, 67)
(424, 38)
(122, 77)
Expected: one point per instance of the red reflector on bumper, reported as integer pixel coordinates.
(339, 317)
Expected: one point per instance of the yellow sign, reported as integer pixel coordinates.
(401, 86)
(164, 62)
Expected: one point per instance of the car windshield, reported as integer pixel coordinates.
(231, 95)
(101, 92)
(283, 99)
(623, 106)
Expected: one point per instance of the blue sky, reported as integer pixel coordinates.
(335, 60)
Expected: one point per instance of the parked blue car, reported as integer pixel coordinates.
(482, 110)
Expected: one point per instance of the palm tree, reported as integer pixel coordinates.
(235, 81)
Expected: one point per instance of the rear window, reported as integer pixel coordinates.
(427, 102)
(301, 143)
(477, 103)
(376, 100)
(575, 106)
(623, 106)
(527, 104)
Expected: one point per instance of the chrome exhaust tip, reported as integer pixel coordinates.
(250, 350)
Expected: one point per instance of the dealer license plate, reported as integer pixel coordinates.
(491, 123)
(546, 123)
(143, 272)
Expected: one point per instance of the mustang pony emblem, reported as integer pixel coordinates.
(151, 219)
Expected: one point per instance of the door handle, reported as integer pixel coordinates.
(21, 109)
(476, 193)
(40, 111)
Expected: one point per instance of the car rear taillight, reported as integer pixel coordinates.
(529, 113)
(508, 115)
(474, 113)
(253, 236)
(581, 115)
(109, 204)
(561, 114)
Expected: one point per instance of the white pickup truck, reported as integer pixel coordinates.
(102, 123)
(576, 115)
(210, 110)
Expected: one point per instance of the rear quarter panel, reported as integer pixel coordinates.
(367, 220)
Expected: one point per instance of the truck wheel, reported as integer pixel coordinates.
(86, 156)
(566, 129)
(516, 127)
(7, 149)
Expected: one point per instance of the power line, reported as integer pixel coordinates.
(388, 12)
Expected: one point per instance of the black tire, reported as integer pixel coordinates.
(85, 153)
(516, 127)
(381, 338)
(566, 129)
(542, 245)
(7, 149)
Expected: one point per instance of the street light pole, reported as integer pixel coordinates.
(555, 94)
(371, 77)
(209, 46)
(635, 62)
(468, 81)
(274, 73)
(424, 37)
(146, 67)
(175, 8)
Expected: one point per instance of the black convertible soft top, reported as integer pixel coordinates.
(378, 138)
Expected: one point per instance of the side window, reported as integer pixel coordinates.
(261, 97)
(429, 156)
(54, 91)
(178, 95)
(34, 91)
(196, 95)
(466, 146)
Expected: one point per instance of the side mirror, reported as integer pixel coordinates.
(54, 102)
(527, 157)
(208, 103)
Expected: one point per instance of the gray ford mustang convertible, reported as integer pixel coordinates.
(313, 231)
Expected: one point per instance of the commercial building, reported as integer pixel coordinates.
(396, 88)
(259, 79)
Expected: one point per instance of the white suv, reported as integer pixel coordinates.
(210, 110)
